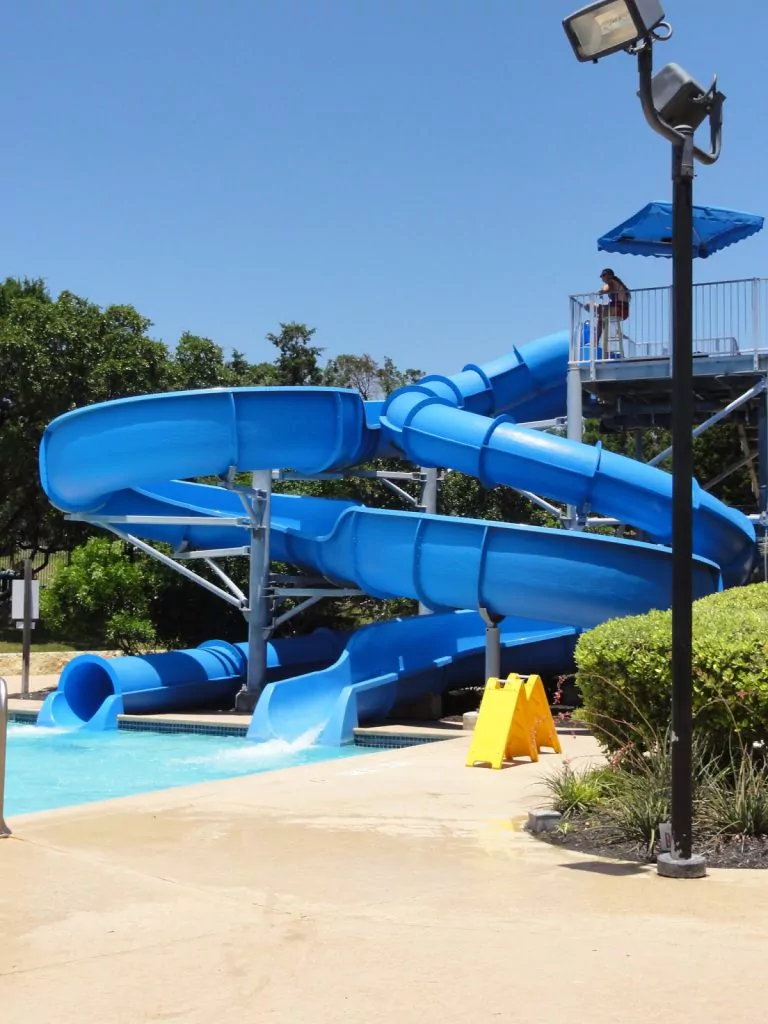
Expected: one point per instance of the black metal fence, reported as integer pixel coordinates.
(42, 571)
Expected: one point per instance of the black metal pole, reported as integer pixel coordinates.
(762, 462)
(682, 504)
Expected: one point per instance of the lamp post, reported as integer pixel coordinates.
(675, 106)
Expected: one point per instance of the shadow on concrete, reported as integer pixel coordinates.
(608, 867)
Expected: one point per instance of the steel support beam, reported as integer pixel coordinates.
(746, 460)
(228, 583)
(575, 428)
(542, 503)
(292, 612)
(182, 570)
(737, 403)
(208, 553)
(428, 504)
(86, 517)
(259, 603)
(399, 491)
(492, 644)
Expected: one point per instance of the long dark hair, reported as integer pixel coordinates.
(610, 273)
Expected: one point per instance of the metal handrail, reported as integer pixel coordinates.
(698, 284)
(4, 829)
(729, 321)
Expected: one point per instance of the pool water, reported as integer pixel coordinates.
(48, 768)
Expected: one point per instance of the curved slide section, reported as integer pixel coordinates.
(432, 429)
(88, 455)
(116, 459)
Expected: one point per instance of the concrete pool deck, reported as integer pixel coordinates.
(395, 887)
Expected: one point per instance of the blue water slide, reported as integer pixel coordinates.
(119, 459)
(400, 661)
(435, 427)
(94, 690)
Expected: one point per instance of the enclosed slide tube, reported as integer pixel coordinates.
(94, 690)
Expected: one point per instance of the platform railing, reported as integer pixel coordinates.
(730, 318)
(4, 830)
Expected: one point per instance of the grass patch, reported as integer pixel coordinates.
(50, 647)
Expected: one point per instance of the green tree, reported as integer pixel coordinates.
(13, 288)
(364, 374)
(358, 372)
(54, 357)
(244, 374)
(127, 362)
(199, 363)
(391, 378)
(297, 360)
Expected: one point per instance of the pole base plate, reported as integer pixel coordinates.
(679, 867)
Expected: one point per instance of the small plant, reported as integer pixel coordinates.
(735, 799)
(576, 792)
(638, 804)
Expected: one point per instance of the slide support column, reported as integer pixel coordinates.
(429, 505)
(492, 644)
(259, 597)
(575, 413)
(762, 474)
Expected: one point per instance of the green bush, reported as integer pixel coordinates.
(102, 598)
(112, 597)
(624, 672)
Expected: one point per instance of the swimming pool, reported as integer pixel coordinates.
(50, 768)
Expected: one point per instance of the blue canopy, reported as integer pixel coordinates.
(649, 232)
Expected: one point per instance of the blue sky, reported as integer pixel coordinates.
(419, 178)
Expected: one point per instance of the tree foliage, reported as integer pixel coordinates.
(298, 361)
(362, 373)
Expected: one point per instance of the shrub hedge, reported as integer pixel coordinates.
(625, 678)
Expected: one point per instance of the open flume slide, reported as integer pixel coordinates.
(126, 458)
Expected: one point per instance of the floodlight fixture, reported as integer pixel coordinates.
(608, 26)
(678, 98)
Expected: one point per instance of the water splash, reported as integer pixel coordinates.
(259, 753)
(29, 733)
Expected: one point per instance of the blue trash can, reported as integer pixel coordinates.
(585, 354)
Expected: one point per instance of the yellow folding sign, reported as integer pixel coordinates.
(514, 721)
